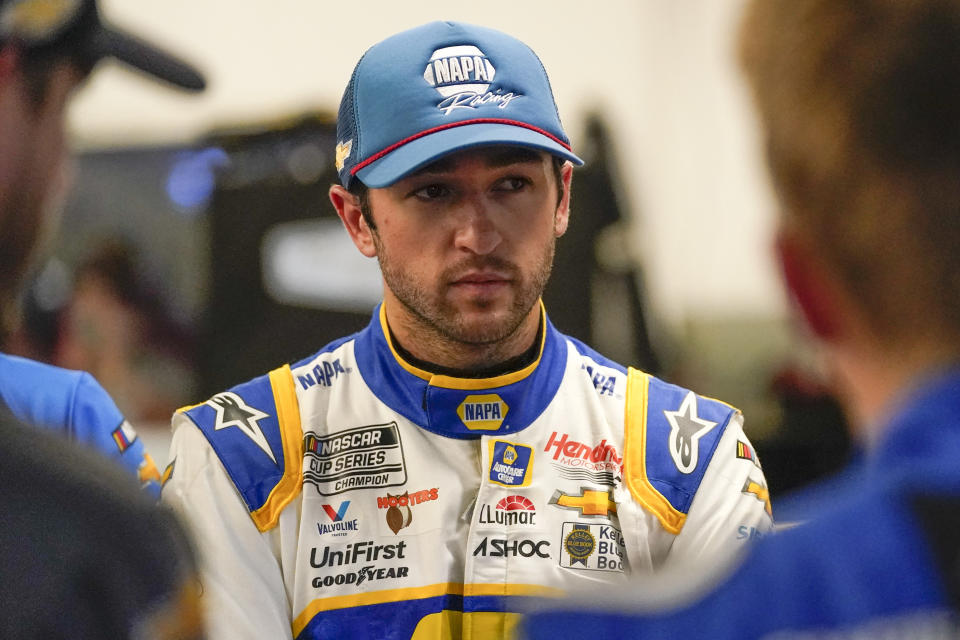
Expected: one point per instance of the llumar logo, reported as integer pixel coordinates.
(399, 514)
(483, 412)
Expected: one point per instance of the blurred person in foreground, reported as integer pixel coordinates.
(860, 102)
(425, 477)
(47, 49)
(86, 554)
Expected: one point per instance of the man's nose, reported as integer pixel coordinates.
(476, 231)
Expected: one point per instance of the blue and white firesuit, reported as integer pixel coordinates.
(355, 495)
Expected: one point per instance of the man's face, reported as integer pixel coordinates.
(32, 154)
(466, 245)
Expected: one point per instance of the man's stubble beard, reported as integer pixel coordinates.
(442, 319)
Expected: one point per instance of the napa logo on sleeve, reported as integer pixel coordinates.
(483, 412)
(511, 464)
(462, 75)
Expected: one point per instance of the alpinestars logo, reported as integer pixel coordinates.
(462, 75)
(686, 429)
(232, 411)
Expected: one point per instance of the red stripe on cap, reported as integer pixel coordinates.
(514, 123)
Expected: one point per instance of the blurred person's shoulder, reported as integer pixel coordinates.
(85, 553)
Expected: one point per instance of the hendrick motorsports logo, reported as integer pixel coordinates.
(365, 457)
(597, 547)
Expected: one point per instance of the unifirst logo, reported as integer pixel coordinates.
(483, 412)
(462, 75)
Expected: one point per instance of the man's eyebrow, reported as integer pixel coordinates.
(494, 158)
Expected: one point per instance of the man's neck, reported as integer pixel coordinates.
(427, 349)
(875, 386)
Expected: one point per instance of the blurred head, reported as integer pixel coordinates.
(46, 50)
(859, 100)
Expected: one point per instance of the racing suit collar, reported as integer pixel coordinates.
(461, 407)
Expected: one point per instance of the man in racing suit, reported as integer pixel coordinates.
(431, 475)
(858, 99)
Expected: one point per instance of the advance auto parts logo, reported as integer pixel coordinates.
(598, 547)
(359, 458)
(462, 75)
(483, 412)
(510, 464)
(512, 510)
(399, 514)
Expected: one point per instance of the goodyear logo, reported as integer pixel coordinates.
(510, 464)
(483, 412)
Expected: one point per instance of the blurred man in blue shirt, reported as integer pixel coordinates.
(859, 100)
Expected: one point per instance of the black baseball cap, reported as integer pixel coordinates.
(74, 28)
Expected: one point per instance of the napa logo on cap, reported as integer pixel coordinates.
(483, 412)
(462, 75)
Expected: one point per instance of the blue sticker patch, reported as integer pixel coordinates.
(511, 464)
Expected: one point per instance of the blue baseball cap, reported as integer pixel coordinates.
(438, 88)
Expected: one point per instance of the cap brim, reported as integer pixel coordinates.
(404, 160)
(110, 43)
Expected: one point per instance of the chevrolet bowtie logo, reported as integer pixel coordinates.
(761, 492)
(590, 502)
(343, 152)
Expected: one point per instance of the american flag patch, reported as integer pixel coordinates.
(124, 436)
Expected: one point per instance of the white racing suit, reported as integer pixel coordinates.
(355, 495)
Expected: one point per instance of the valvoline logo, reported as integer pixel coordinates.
(483, 412)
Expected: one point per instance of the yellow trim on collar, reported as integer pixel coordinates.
(291, 435)
(465, 384)
(417, 593)
(635, 455)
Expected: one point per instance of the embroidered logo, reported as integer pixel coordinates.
(686, 429)
(590, 502)
(232, 411)
(343, 152)
(462, 75)
(510, 463)
(124, 436)
(483, 412)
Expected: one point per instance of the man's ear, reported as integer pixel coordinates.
(562, 218)
(348, 208)
(810, 285)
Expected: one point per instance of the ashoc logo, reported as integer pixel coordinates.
(503, 548)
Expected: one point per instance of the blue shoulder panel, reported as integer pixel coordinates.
(670, 437)
(683, 430)
(255, 430)
(243, 427)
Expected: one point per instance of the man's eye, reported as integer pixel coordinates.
(512, 184)
(431, 192)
